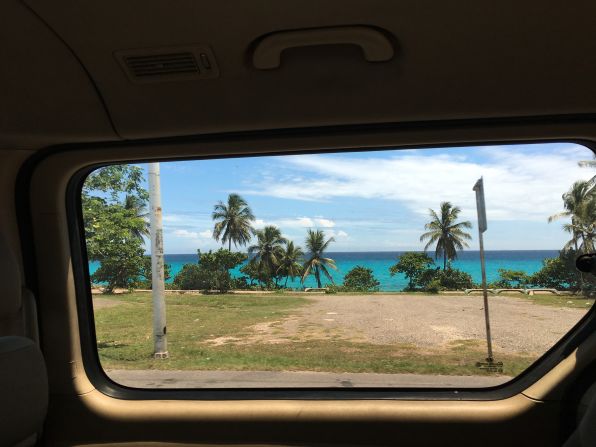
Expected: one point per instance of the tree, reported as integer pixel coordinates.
(268, 252)
(114, 181)
(233, 221)
(434, 280)
(446, 233)
(557, 273)
(317, 263)
(361, 279)
(211, 273)
(111, 241)
(412, 265)
(289, 264)
(147, 275)
(111, 228)
(580, 206)
(251, 270)
(138, 207)
(509, 279)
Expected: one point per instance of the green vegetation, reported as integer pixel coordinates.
(436, 280)
(412, 265)
(146, 274)
(113, 203)
(215, 332)
(446, 233)
(212, 272)
(422, 274)
(317, 263)
(267, 253)
(360, 279)
(289, 265)
(511, 279)
(233, 222)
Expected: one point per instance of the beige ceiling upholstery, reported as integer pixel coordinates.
(454, 60)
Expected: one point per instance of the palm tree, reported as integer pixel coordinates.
(289, 264)
(268, 251)
(316, 263)
(233, 221)
(446, 232)
(136, 206)
(580, 205)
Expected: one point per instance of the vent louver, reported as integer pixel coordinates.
(162, 64)
(169, 64)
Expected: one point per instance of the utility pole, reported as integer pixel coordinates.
(490, 363)
(160, 339)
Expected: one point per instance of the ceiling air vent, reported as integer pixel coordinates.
(169, 64)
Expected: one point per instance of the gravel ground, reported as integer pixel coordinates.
(518, 325)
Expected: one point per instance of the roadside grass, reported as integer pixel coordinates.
(124, 338)
(571, 301)
(543, 299)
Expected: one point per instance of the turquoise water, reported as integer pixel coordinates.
(529, 261)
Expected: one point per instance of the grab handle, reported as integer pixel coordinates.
(375, 45)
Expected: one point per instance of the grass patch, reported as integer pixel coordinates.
(125, 341)
(570, 301)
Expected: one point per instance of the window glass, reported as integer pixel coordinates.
(350, 269)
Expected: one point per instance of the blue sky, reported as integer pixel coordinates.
(378, 200)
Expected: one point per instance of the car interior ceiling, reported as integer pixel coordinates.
(282, 77)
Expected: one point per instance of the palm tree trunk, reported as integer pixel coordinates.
(230, 244)
(286, 283)
(581, 275)
(444, 259)
(318, 276)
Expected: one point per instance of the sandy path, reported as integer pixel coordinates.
(518, 325)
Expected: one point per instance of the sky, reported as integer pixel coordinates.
(378, 200)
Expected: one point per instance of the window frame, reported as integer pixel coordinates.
(86, 321)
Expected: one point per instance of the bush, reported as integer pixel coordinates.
(560, 273)
(511, 279)
(146, 282)
(360, 279)
(211, 273)
(413, 265)
(450, 279)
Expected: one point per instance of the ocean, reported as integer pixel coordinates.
(529, 261)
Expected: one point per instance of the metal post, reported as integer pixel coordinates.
(485, 295)
(157, 264)
(490, 364)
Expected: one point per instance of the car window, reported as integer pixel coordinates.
(339, 270)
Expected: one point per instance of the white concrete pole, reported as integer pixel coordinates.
(157, 264)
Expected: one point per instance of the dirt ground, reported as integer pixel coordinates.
(518, 325)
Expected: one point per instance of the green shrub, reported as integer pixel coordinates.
(557, 273)
(360, 279)
(413, 265)
(510, 279)
(211, 273)
(146, 281)
(433, 287)
(449, 279)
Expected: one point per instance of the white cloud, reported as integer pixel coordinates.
(192, 234)
(519, 184)
(186, 234)
(295, 222)
(336, 234)
(325, 223)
